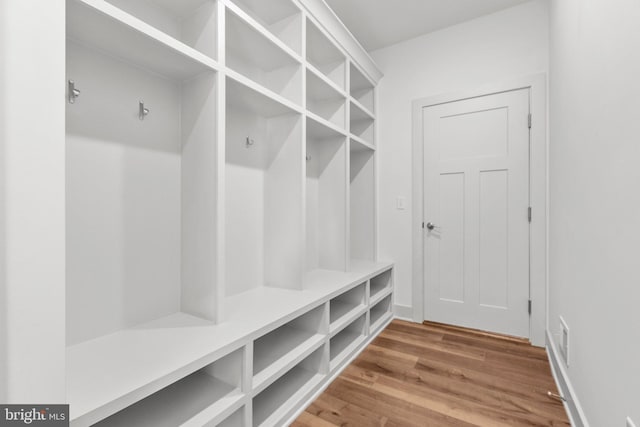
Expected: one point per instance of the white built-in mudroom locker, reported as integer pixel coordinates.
(220, 223)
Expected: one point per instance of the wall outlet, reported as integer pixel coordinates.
(564, 341)
(630, 423)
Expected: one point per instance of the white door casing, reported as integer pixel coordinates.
(476, 193)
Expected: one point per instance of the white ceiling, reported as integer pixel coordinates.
(380, 23)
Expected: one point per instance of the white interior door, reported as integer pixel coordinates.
(476, 183)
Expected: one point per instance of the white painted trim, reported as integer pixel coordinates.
(572, 405)
(329, 379)
(403, 312)
(341, 35)
(538, 194)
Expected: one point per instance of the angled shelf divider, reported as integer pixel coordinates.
(323, 55)
(99, 24)
(251, 53)
(197, 399)
(361, 89)
(324, 101)
(282, 18)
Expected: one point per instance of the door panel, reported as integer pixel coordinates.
(477, 195)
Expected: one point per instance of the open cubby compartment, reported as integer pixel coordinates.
(237, 419)
(280, 349)
(326, 102)
(325, 56)
(380, 312)
(326, 193)
(345, 307)
(105, 27)
(264, 204)
(361, 88)
(362, 202)
(140, 196)
(205, 396)
(192, 22)
(379, 286)
(258, 58)
(361, 124)
(280, 400)
(282, 18)
(347, 341)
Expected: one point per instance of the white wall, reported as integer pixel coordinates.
(507, 44)
(33, 158)
(594, 237)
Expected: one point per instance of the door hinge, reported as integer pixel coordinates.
(529, 213)
(529, 307)
(529, 120)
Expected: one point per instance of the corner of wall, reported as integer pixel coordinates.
(403, 312)
(572, 405)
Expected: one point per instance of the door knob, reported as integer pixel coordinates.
(430, 226)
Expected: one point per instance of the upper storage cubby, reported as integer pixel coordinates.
(326, 238)
(361, 89)
(192, 22)
(361, 123)
(281, 18)
(325, 56)
(254, 55)
(324, 101)
(264, 205)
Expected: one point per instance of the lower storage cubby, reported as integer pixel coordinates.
(379, 286)
(281, 398)
(345, 307)
(278, 350)
(342, 345)
(198, 399)
(379, 313)
(237, 419)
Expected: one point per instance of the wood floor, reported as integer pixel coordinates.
(433, 375)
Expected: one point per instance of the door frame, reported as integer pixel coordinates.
(538, 194)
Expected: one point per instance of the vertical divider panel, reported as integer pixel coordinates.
(221, 112)
(199, 197)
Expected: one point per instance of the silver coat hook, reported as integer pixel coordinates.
(73, 92)
(142, 110)
(249, 142)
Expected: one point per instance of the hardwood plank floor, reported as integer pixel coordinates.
(437, 375)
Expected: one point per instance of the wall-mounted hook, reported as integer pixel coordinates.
(73, 92)
(308, 157)
(142, 111)
(249, 142)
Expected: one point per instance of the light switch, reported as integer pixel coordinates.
(400, 203)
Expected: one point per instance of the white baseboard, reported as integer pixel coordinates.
(403, 312)
(572, 405)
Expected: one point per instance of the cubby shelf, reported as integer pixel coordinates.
(279, 21)
(379, 287)
(361, 89)
(361, 124)
(325, 56)
(106, 374)
(360, 145)
(281, 397)
(101, 25)
(345, 343)
(254, 53)
(246, 94)
(193, 401)
(344, 309)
